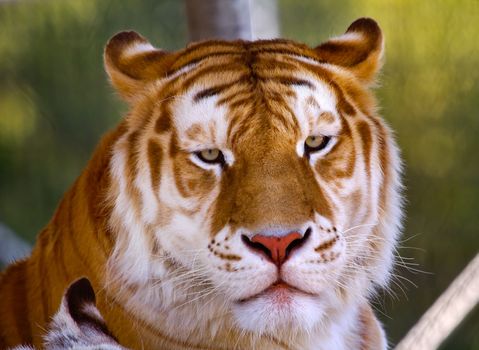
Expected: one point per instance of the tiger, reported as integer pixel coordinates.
(251, 198)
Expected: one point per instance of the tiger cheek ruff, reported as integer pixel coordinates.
(249, 199)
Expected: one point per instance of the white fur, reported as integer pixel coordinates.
(351, 36)
(138, 48)
(132, 238)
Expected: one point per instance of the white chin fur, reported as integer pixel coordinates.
(265, 315)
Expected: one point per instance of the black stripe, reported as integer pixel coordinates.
(202, 58)
(215, 90)
(71, 231)
(288, 81)
(207, 93)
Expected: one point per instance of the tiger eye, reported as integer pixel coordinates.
(314, 141)
(211, 156)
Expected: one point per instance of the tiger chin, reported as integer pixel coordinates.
(250, 198)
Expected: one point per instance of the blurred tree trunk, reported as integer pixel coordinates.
(232, 19)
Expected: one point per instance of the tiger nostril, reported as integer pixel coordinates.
(298, 242)
(256, 246)
(276, 248)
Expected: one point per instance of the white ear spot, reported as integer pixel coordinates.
(138, 48)
(350, 36)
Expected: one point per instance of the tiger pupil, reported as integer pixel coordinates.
(314, 141)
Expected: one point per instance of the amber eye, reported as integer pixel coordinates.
(211, 156)
(315, 143)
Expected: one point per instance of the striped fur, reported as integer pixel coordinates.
(162, 234)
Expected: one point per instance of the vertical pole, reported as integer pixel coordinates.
(232, 19)
(447, 312)
(264, 19)
(218, 19)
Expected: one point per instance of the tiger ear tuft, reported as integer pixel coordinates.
(360, 49)
(132, 62)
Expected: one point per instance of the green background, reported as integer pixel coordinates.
(55, 103)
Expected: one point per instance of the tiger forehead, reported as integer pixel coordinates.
(220, 66)
(222, 87)
(204, 118)
(238, 92)
(261, 75)
(244, 50)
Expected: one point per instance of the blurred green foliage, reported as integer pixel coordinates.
(55, 103)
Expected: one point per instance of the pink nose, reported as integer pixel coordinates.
(277, 248)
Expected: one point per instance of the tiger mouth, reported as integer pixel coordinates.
(279, 290)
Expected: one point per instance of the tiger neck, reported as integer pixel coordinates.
(74, 244)
(79, 229)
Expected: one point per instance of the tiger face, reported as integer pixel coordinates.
(254, 187)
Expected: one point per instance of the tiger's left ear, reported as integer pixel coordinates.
(132, 63)
(359, 50)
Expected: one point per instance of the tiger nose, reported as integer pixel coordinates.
(277, 248)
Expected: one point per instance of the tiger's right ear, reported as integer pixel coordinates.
(132, 63)
(360, 50)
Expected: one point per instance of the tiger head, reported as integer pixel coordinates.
(253, 182)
